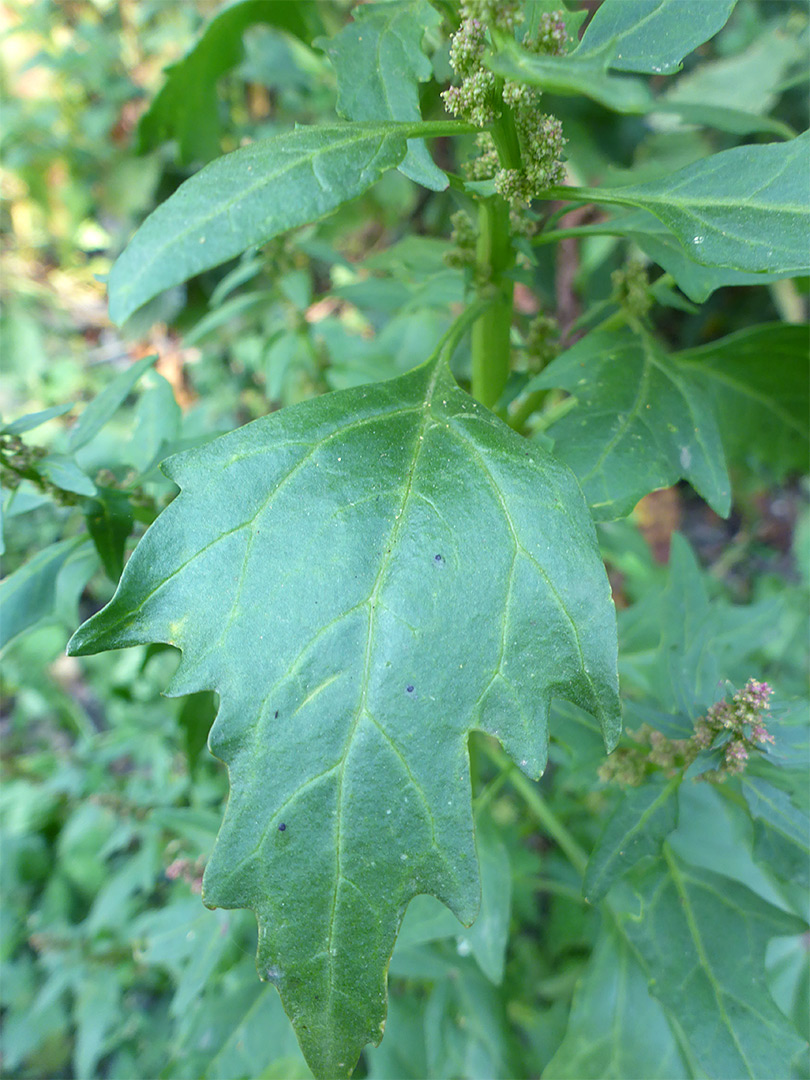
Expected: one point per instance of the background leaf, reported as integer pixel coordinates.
(186, 107)
(637, 828)
(640, 423)
(616, 1028)
(388, 87)
(106, 404)
(375, 805)
(713, 983)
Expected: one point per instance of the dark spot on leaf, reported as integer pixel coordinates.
(275, 715)
(409, 689)
(437, 558)
(282, 827)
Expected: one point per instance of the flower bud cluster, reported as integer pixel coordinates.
(631, 288)
(542, 343)
(736, 728)
(463, 238)
(19, 462)
(541, 144)
(480, 98)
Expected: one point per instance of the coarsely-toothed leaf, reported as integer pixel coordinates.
(185, 108)
(759, 382)
(640, 423)
(652, 36)
(701, 938)
(364, 578)
(643, 819)
(571, 75)
(746, 208)
(781, 831)
(252, 195)
(616, 1029)
(379, 63)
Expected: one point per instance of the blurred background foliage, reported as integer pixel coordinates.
(111, 801)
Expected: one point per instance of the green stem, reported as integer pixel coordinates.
(541, 811)
(490, 338)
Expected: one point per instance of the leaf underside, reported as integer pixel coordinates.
(364, 579)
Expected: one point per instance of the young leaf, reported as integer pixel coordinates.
(364, 578)
(745, 208)
(102, 407)
(186, 107)
(379, 63)
(701, 938)
(642, 820)
(252, 195)
(759, 383)
(652, 36)
(571, 75)
(616, 1028)
(640, 423)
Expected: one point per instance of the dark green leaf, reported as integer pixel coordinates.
(109, 521)
(572, 75)
(759, 382)
(33, 420)
(652, 36)
(250, 196)
(746, 208)
(186, 107)
(702, 938)
(359, 609)
(29, 594)
(616, 1029)
(102, 407)
(643, 819)
(781, 831)
(640, 423)
(379, 63)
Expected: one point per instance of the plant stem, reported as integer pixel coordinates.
(490, 336)
(542, 812)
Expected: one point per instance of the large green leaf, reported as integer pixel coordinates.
(746, 208)
(759, 382)
(640, 423)
(364, 578)
(616, 1029)
(652, 36)
(186, 107)
(252, 195)
(701, 938)
(379, 63)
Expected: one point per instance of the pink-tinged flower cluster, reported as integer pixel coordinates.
(736, 727)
